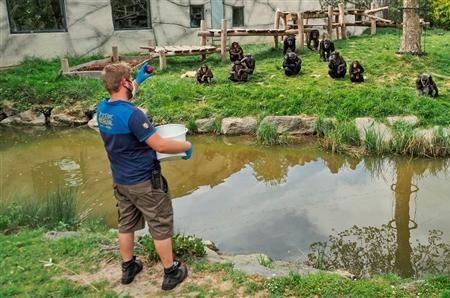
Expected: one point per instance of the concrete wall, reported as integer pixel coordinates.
(90, 28)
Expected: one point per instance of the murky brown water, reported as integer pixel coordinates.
(276, 200)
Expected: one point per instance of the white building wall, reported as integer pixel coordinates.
(90, 27)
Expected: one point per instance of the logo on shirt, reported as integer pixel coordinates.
(145, 125)
(105, 119)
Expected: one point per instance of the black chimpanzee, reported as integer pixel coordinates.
(326, 47)
(204, 75)
(250, 62)
(289, 43)
(292, 64)
(239, 72)
(337, 66)
(236, 52)
(356, 72)
(313, 37)
(426, 86)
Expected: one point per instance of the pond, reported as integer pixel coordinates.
(296, 202)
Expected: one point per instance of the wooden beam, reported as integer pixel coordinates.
(115, 54)
(64, 65)
(301, 31)
(203, 37)
(342, 20)
(373, 22)
(276, 26)
(223, 41)
(373, 10)
(162, 60)
(330, 22)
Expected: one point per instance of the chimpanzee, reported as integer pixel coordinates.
(326, 47)
(337, 66)
(204, 75)
(356, 72)
(239, 72)
(236, 52)
(426, 86)
(292, 64)
(289, 43)
(250, 62)
(313, 37)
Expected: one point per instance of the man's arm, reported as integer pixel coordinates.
(167, 145)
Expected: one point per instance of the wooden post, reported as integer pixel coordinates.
(203, 37)
(342, 21)
(277, 26)
(373, 22)
(336, 20)
(301, 31)
(330, 22)
(115, 54)
(64, 65)
(162, 60)
(223, 41)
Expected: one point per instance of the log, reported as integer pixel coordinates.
(223, 41)
(373, 10)
(373, 22)
(115, 54)
(162, 60)
(301, 31)
(330, 22)
(277, 26)
(65, 65)
(203, 37)
(342, 20)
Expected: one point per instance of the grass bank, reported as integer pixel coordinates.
(389, 88)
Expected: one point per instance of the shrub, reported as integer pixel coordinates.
(440, 10)
(183, 247)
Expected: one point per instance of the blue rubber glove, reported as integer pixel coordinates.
(142, 75)
(188, 153)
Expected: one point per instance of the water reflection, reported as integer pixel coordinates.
(372, 250)
(247, 198)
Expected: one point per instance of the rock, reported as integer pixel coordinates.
(93, 122)
(7, 110)
(56, 235)
(238, 126)
(426, 134)
(72, 116)
(411, 120)
(293, 125)
(28, 117)
(205, 125)
(366, 123)
(211, 245)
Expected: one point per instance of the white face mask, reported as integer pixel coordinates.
(132, 92)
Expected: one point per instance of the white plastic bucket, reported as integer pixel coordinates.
(171, 131)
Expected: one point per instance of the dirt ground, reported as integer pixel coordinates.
(148, 282)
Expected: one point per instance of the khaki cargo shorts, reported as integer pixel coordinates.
(141, 202)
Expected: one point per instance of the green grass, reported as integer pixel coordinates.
(267, 134)
(388, 90)
(56, 209)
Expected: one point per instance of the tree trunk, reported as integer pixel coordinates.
(411, 28)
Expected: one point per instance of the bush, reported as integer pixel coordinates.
(183, 247)
(440, 10)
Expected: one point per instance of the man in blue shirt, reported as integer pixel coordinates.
(131, 143)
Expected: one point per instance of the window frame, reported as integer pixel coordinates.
(149, 18)
(243, 16)
(190, 13)
(62, 4)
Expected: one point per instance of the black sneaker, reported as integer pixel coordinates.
(130, 270)
(177, 276)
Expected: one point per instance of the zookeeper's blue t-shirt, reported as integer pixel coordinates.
(124, 129)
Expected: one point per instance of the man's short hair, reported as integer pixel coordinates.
(113, 74)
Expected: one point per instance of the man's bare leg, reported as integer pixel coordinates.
(126, 246)
(164, 249)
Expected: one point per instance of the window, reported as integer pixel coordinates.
(358, 18)
(197, 14)
(29, 16)
(238, 16)
(131, 14)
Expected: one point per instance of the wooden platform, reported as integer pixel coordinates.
(170, 51)
(242, 32)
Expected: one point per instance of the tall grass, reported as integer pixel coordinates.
(56, 209)
(338, 137)
(267, 134)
